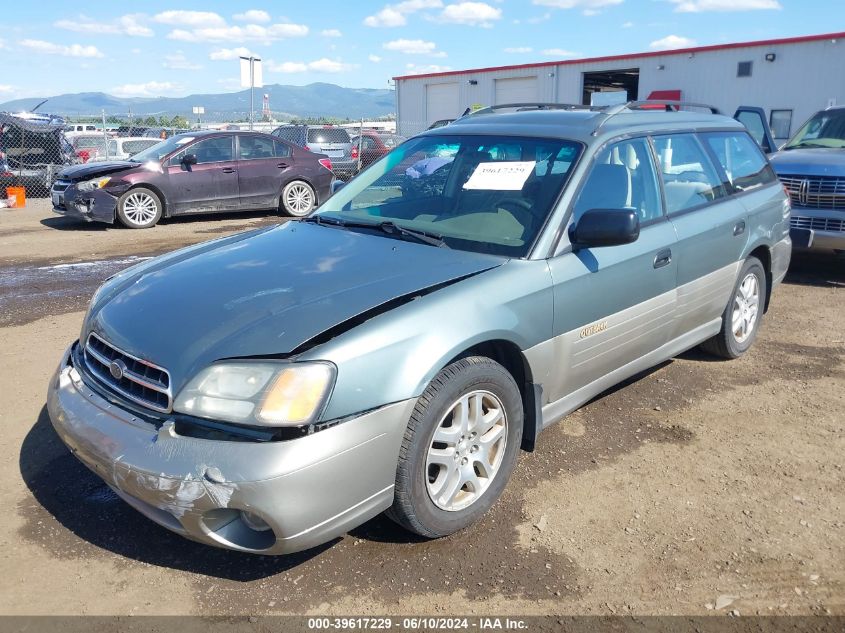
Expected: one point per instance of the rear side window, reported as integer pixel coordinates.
(741, 158)
(290, 134)
(255, 147)
(328, 135)
(689, 177)
(282, 149)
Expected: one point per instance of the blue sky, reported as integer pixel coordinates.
(176, 47)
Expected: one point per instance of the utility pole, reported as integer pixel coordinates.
(251, 77)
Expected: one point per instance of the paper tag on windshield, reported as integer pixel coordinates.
(500, 176)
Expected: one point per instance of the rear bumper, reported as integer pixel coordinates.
(344, 168)
(308, 490)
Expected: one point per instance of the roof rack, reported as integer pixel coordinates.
(531, 106)
(651, 105)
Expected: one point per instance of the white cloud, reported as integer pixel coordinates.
(700, 6)
(586, 5)
(413, 47)
(135, 51)
(672, 41)
(394, 14)
(324, 65)
(193, 19)
(560, 53)
(178, 61)
(414, 69)
(149, 89)
(248, 32)
(253, 15)
(628, 25)
(331, 33)
(6, 89)
(374, 58)
(470, 13)
(48, 48)
(2, 44)
(131, 25)
(518, 49)
(225, 54)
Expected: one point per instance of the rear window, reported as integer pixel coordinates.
(328, 135)
(290, 134)
(133, 147)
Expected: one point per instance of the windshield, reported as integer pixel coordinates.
(488, 194)
(162, 149)
(824, 129)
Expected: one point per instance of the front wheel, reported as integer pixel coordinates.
(298, 199)
(741, 319)
(459, 449)
(139, 208)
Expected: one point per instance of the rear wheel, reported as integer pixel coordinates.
(459, 449)
(139, 208)
(741, 319)
(298, 199)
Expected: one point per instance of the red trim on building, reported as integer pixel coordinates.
(610, 58)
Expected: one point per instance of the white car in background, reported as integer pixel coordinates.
(123, 148)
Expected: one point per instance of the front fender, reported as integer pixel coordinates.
(393, 356)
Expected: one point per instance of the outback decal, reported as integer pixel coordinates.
(595, 328)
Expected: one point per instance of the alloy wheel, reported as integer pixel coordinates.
(140, 208)
(299, 198)
(746, 307)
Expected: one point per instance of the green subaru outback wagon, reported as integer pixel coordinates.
(397, 349)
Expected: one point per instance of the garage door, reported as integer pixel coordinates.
(516, 90)
(441, 102)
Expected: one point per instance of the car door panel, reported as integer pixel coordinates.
(208, 186)
(261, 173)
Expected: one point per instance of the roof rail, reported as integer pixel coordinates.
(532, 106)
(650, 105)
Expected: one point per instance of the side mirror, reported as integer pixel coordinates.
(337, 185)
(605, 227)
(189, 159)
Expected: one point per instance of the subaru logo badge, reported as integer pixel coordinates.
(117, 368)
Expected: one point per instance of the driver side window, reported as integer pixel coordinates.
(622, 177)
(212, 150)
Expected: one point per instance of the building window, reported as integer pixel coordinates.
(781, 123)
(743, 69)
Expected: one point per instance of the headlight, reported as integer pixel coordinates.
(258, 393)
(91, 185)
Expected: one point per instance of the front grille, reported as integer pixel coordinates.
(818, 224)
(61, 185)
(815, 192)
(138, 380)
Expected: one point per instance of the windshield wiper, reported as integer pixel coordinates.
(386, 226)
(808, 144)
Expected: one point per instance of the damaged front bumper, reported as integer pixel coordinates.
(305, 491)
(98, 205)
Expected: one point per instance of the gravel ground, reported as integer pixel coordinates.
(700, 487)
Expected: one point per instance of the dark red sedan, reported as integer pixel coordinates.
(372, 145)
(196, 172)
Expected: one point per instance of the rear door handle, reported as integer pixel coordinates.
(663, 258)
(228, 170)
(739, 227)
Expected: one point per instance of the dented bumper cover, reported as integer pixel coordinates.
(98, 205)
(307, 490)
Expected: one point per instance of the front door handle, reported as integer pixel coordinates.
(228, 170)
(739, 227)
(282, 165)
(663, 258)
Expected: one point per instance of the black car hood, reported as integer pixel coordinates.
(810, 161)
(263, 294)
(92, 170)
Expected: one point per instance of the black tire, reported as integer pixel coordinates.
(298, 199)
(726, 344)
(133, 219)
(413, 507)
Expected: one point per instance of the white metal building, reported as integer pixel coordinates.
(790, 78)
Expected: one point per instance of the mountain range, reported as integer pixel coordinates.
(313, 100)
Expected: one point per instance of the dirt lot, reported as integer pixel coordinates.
(699, 488)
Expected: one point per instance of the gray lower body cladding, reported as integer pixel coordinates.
(307, 491)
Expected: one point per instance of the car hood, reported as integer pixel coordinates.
(97, 168)
(809, 161)
(264, 293)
